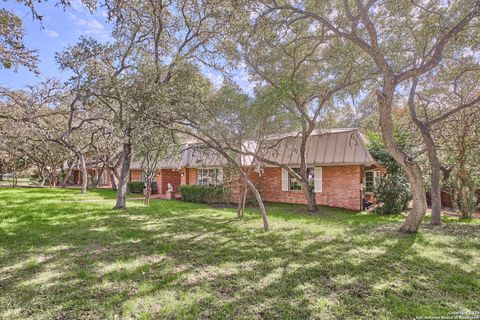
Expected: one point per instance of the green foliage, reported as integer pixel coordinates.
(393, 190)
(204, 194)
(135, 186)
(378, 151)
(394, 194)
(13, 52)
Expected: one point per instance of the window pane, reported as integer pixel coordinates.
(369, 181)
(209, 176)
(295, 184)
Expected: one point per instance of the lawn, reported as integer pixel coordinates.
(69, 256)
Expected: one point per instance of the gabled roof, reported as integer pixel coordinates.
(324, 147)
(343, 146)
(192, 156)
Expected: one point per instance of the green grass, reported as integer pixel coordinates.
(70, 256)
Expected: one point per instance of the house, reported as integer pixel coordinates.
(340, 167)
(339, 164)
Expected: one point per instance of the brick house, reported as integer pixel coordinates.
(340, 167)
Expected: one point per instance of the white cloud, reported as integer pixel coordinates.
(51, 33)
(215, 78)
(77, 5)
(89, 26)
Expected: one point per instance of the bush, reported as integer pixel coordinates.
(204, 194)
(393, 191)
(393, 194)
(136, 186)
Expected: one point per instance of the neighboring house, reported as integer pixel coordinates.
(340, 167)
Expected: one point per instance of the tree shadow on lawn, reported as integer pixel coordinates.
(177, 260)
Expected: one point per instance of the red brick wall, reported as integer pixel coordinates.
(189, 176)
(233, 181)
(135, 175)
(340, 188)
(168, 176)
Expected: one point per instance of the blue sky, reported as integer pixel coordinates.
(58, 29)
(62, 27)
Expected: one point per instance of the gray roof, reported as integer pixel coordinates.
(202, 157)
(327, 147)
(324, 147)
(194, 155)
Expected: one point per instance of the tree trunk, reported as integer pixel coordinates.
(41, 175)
(435, 168)
(69, 174)
(411, 167)
(242, 198)
(122, 183)
(111, 177)
(310, 195)
(53, 178)
(99, 175)
(260, 204)
(436, 190)
(419, 208)
(83, 188)
(113, 180)
(148, 193)
(307, 189)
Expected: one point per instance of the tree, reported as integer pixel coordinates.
(53, 114)
(153, 145)
(403, 40)
(124, 77)
(455, 97)
(221, 121)
(433, 93)
(13, 52)
(393, 192)
(300, 72)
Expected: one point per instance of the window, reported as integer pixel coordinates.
(314, 174)
(295, 184)
(371, 180)
(103, 178)
(209, 176)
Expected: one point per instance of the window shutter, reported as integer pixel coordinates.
(284, 180)
(318, 179)
(376, 178)
(220, 176)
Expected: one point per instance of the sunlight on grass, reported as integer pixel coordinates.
(129, 265)
(67, 258)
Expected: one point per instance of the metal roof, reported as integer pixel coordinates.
(328, 147)
(324, 147)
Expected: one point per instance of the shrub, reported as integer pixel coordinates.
(204, 194)
(393, 193)
(136, 186)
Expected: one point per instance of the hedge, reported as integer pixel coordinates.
(204, 194)
(136, 186)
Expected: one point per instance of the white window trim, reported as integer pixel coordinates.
(318, 182)
(220, 173)
(376, 176)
